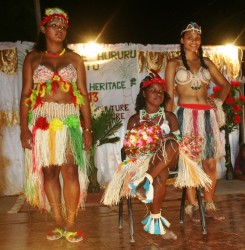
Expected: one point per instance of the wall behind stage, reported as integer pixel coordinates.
(114, 73)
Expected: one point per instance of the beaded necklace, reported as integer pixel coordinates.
(55, 55)
(152, 115)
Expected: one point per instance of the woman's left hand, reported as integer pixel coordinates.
(87, 137)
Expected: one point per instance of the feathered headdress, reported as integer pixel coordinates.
(155, 78)
(55, 12)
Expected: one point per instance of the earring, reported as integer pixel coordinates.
(42, 29)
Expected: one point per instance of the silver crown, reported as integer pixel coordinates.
(192, 26)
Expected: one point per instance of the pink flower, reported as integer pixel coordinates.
(149, 130)
(149, 140)
(140, 143)
(126, 143)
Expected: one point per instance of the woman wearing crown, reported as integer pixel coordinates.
(151, 148)
(189, 75)
(54, 96)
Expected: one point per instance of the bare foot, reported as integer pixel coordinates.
(214, 214)
(140, 190)
(194, 213)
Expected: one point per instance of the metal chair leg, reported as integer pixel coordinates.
(120, 215)
(182, 205)
(131, 221)
(201, 210)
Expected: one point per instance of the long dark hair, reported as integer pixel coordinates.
(182, 51)
(140, 99)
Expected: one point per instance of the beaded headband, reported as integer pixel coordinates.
(155, 79)
(192, 26)
(55, 12)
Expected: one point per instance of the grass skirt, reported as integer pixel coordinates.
(55, 130)
(128, 171)
(201, 140)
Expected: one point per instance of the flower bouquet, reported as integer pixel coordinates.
(144, 138)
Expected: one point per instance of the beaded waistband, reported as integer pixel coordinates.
(196, 106)
(52, 110)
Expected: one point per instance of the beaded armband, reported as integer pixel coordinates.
(177, 135)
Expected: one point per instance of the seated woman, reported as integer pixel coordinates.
(151, 148)
(240, 164)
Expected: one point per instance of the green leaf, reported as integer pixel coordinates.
(105, 126)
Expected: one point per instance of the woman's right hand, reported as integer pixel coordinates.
(26, 139)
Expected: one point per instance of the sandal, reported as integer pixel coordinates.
(55, 234)
(74, 236)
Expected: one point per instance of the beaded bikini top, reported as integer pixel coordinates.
(46, 82)
(44, 74)
(184, 76)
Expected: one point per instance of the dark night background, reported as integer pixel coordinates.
(130, 21)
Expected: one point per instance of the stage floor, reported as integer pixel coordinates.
(25, 228)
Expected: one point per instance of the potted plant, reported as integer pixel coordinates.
(104, 125)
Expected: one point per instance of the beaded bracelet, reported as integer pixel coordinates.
(88, 130)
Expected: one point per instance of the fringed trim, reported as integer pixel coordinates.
(52, 110)
(191, 207)
(191, 174)
(34, 184)
(210, 205)
(155, 223)
(128, 171)
(77, 144)
(149, 190)
(220, 112)
(204, 125)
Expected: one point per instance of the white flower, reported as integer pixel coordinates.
(51, 11)
(96, 111)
